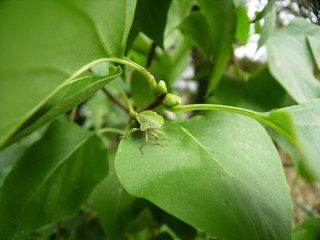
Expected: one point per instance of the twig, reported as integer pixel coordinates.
(58, 230)
(156, 102)
(151, 54)
(115, 100)
(236, 65)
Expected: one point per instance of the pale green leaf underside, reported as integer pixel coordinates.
(50, 183)
(291, 61)
(69, 95)
(302, 123)
(212, 168)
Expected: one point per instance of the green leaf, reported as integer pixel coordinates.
(140, 90)
(221, 18)
(290, 60)
(268, 26)
(308, 230)
(112, 20)
(115, 207)
(207, 175)
(264, 11)
(195, 28)
(301, 123)
(243, 24)
(150, 18)
(36, 59)
(261, 92)
(52, 179)
(68, 96)
(178, 10)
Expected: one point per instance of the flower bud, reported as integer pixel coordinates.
(161, 88)
(171, 100)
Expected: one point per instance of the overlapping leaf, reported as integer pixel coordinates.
(47, 41)
(50, 183)
(221, 18)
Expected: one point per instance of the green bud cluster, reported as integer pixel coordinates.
(171, 100)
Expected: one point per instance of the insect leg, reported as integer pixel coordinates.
(126, 135)
(147, 139)
(165, 137)
(156, 137)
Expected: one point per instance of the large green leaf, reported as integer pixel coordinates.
(52, 179)
(290, 59)
(221, 17)
(302, 124)
(207, 175)
(150, 18)
(47, 41)
(69, 95)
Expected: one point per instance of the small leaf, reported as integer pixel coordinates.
(302, 124)
(243, 24)
(70, 95)
(52, 179)
(268, 26)
(221, 18)
(212, 168)
(264, 11)
(150, 18)
(290, 60)
(195, 28)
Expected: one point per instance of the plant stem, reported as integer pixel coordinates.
(155, 103)
(262, 117)
(142, 70)
(131, 111)
(58, 230)
(151, 54)
(73, 113)
(115, 100)
(113, 130)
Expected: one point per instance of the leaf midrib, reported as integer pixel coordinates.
(227, 172)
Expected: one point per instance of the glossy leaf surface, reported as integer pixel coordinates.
(212, 168)
(50, 183)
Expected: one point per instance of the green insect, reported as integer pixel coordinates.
(148, 120)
